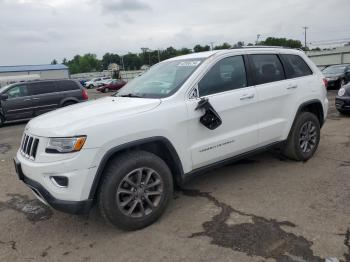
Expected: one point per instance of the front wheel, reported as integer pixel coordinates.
(135, 191)
(304, 137)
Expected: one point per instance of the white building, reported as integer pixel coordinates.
(10, 74)
(340, 55)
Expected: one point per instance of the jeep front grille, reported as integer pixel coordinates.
(29, 146)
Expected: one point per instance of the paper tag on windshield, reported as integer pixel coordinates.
(189, 63)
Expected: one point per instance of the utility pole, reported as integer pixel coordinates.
(257, 39)
(305, 28)
(158, 55)
(212, 46)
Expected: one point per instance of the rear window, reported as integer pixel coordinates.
(295, 66)
(67, 85)
(42, 88)
(268, 68)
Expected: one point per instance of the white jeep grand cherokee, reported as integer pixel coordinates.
(184, 116)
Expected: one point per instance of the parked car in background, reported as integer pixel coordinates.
(96, 82)
(29, 99)
(113, 85)
(337, 75)
(342, 101)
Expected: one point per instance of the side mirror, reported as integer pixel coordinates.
(3, 97)
(211, 118)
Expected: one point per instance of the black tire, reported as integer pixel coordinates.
(68, 103)
(91, 86)
(106, 90)
(346, 113)
(298, 142)
(115, 180)
(2, 121)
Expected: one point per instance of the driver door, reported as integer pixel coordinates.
(226, 87)
(18, 105)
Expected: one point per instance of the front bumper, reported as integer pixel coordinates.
(342, 103)
(72, 207)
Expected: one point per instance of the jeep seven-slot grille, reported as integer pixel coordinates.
(29, 146)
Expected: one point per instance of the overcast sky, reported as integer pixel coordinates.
(37, 31)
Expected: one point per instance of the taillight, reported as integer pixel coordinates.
(325, 82)
(85, 94)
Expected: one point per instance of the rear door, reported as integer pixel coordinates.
(45, 96)
(19, 104)
(70, 89)
(275, 96)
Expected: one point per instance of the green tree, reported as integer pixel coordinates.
(199, 48)
(54, 62)
(223, 46)
(108, 59)
(272, 41)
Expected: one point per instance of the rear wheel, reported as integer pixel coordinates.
(107, 90)
(91, 86)
(304, 137)
(135, 191)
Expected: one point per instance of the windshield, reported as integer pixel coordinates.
(334, 70)
(2, 89)
(161, 80)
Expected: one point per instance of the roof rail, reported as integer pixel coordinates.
(267, 46)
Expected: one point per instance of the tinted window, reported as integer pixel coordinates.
(227, 74)
(42, 88)
(17, 91)
(67, 85)
(268, 68)
(295, 66)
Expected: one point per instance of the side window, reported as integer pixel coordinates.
(295, 66)
(67, 85)
(225, 75)
(17, 91)
(42, 88)
(268, 68)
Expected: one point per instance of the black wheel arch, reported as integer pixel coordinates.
(68, 100)
(158, 145)
(313, 106)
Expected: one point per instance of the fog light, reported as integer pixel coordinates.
(59, 181)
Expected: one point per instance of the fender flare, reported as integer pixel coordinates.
(114, 150)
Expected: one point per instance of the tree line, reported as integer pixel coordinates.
(133, 61)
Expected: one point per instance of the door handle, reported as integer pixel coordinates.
(246, 97)
(28, 99)
(36, 98)
(292, 87)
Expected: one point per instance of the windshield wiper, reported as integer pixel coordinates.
(130, 95)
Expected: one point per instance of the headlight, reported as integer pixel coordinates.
(341, 91)
(65, 144)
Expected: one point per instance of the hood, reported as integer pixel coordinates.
(71, 120)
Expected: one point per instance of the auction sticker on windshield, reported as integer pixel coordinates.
(189, 63)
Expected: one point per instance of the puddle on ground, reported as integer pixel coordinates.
(33, 209)
(4, 148)
(260, 237)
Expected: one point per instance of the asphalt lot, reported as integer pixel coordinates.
(264, 208)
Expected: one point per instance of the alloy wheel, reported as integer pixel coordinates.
(140, 192)
(307, 137)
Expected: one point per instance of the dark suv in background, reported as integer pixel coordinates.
(337, 75)
(29, 99)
